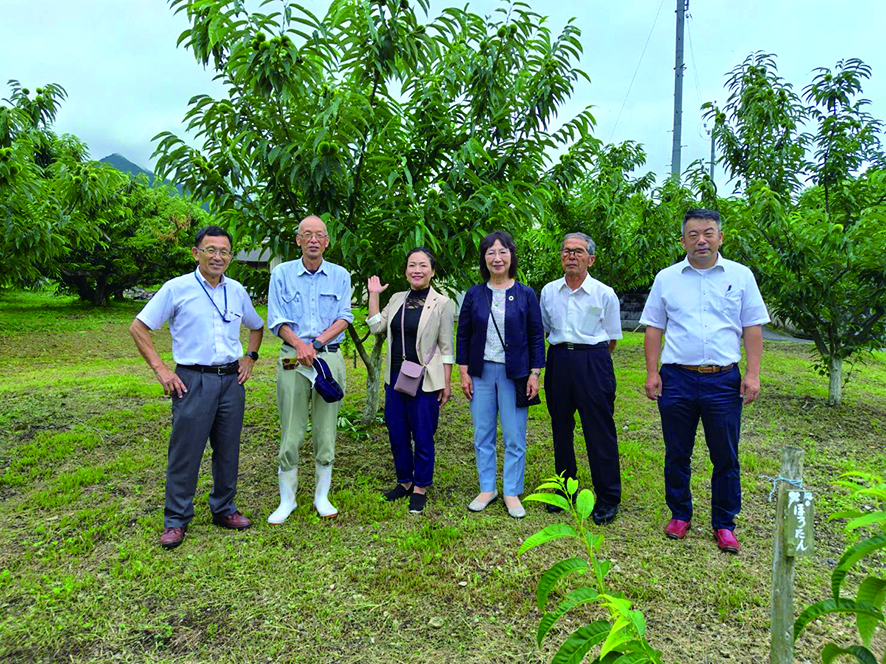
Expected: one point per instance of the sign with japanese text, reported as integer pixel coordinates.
(798, 524)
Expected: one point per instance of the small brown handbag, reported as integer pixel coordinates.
(411, 373)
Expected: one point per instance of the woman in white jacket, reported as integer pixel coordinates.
(419, 327)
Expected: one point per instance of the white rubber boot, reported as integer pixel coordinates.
(321, 493)
(288, 480)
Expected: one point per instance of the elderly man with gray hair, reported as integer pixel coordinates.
(582, 320)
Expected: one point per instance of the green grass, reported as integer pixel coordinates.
(83, 434)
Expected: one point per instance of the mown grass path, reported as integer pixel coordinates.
(83, 433)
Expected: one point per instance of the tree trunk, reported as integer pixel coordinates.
(372, 362)
(835, 388)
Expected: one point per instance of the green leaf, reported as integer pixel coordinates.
(852, 556)
(617, 636)
(831, 651)
(871, 591)
(571, 486)
(547, 534)
(828, 606)
(845, 514)
(632, 658)
(585, 503)
(550, 499)
(580, 642)
(866, 520)
(550, 578)
(573, 599)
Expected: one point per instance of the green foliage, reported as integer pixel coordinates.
(37, 218)
(88, 226)
(145, 235)
(867, 607)
(634, 224)
(817, 253)
(623, 636)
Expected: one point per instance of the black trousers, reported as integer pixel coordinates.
(211, 408)
(584, 380)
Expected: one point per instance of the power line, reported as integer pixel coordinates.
(661, 4)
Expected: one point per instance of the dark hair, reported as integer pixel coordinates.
(426, 252)
(507, 243)
(212, 231)
(700, 213)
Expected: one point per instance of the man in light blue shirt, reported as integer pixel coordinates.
(705, 304)
(309, 307)
(205, 311)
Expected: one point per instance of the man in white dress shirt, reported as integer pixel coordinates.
(705, 304)
(582, 320)
(205, 311)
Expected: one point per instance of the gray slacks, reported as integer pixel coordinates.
(212, 408)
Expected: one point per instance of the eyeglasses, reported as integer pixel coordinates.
(212, 251)
(310, 236)
(576, 253)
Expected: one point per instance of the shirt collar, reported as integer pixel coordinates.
(686, 264)
(203, 280)
(585, 285)
(300, 268)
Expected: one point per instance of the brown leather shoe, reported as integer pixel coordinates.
(677, 529)
(235, 521)
(726, 540)
(172, 537)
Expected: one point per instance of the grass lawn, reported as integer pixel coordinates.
(83, 435)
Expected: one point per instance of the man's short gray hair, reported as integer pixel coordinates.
(581, 236)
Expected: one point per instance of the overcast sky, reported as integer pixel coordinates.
(127, 81)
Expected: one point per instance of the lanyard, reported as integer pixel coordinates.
(225, 289)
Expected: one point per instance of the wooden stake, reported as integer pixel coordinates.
(782, 614)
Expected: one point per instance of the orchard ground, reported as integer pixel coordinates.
(83, 434)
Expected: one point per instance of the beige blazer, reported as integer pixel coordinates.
(435, 324)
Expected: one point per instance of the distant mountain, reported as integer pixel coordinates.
(121, 163)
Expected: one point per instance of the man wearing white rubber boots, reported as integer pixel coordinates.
(309, 307)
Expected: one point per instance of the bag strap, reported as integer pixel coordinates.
(403, 327)
(492, 316)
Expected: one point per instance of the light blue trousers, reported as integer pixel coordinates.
(494, 396)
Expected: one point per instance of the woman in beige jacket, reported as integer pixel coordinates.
(419, 327)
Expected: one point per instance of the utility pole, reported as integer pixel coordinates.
(682, 8)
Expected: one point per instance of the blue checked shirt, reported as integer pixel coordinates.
(309, 303)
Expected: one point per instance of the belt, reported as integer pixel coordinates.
(571, 346)
(328, 348)
(220, 369)
(705, 368)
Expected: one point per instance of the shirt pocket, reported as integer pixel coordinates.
(592, 319)
(329, 306)
(293, 301)
(729, 302)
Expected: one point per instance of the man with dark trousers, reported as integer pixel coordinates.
(205, 310)
(703, 305)
(582, 320)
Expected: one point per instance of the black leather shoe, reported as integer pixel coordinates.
(553, 509)
(604, 514)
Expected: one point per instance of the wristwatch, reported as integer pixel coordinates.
(253, 355)
(318, 345)
(535, 373)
